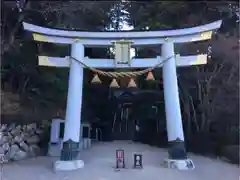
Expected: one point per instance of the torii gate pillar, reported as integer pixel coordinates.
(177, 153)
(70, 150)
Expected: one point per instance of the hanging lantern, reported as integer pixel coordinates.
(114, 84)
(96, 80)
(150, 76)
(132, 83)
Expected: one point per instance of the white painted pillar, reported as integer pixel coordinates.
(74, 105)
(172, 104)
(177, 156)
(171, 94)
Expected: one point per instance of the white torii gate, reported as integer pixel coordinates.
(79, 40)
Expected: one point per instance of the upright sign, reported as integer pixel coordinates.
(122, 52)
(120, 161)
(137, 161)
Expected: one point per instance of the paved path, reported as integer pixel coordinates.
(100, 160)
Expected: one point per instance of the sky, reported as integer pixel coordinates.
(125, 26)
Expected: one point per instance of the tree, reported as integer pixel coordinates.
(19, 70)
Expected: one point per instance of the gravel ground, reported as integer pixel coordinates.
(100, 162)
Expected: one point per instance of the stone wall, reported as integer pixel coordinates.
(19, 142)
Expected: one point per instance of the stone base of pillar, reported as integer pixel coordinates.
(177, 150)
(185, 164)
(70, 150)
(68, 165)
(54, 149)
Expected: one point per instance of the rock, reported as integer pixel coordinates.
(16, 131)
(11, 127)
(3, 158)
(19, 155)
(13, 150)
(24, 127)
(32, 132)
(31, 126)
(10, 136)
(3, 128)
(39, 131)
(3, 140)
(2, 150)
(5, 147)
(19, 142)
(34, 125)
(18, 127)
(24, 146)
(34, 151)
(18, 139)
(28, 127)
(33, 139)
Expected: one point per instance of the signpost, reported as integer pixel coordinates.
(120, 161)
(137, 161)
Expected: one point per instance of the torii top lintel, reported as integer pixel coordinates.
(198, 33)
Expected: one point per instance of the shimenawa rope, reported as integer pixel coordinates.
(114, 74)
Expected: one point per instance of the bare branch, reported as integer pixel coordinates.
(12, 35)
